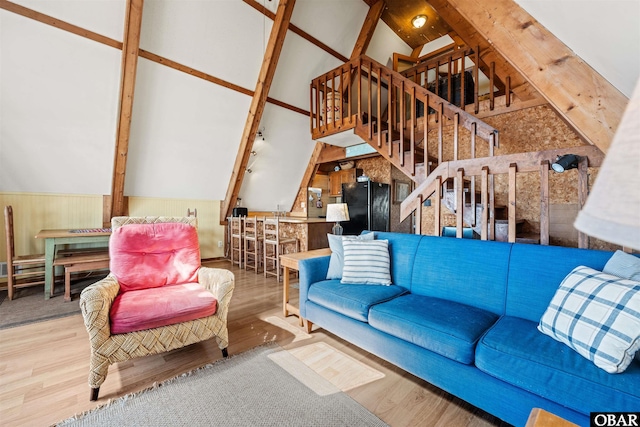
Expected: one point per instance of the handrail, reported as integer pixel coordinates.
(506, 164)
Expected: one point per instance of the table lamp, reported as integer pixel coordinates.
(337, 212)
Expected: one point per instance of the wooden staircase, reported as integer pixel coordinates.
(395, 113)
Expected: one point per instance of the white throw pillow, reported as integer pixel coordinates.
(366, 262)
(597, 315)
(336, 262)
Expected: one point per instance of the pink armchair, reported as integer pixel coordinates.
(157, 296)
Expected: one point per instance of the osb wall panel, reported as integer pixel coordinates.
(533, 129)
(378, 169)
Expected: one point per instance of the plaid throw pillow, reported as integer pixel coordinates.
(366, 262)
(597, 315)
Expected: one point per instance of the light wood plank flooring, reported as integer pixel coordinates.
(44, 366)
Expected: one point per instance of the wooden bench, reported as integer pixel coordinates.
(75, 263)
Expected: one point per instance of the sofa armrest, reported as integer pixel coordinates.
(95, 304)
(311, 270)
(220, 283)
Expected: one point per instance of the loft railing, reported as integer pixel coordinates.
(390, 112)
(486, 168)
(455, 76)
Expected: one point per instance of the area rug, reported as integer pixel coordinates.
(250, 389)
(29, 305)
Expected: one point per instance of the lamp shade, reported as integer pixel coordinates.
(612, 210)
(337, 212)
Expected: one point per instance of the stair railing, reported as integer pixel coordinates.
(487, 167)
(386, 108)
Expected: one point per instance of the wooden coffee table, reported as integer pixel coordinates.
(290, 262)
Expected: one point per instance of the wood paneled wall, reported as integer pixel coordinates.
(36, 211)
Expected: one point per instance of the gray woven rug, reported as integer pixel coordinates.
(265, 386)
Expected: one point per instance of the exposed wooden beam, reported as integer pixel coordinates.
(590, 104)
(74, 29)
(265, 78)
(331, 153)
(312, 167)
(368, 28)
(130, 48)
(260, 8)
(49, 20)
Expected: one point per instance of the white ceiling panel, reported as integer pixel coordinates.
(105, 17)
(223, 38)
(384, 43)
(335, 23)
(185, 135)
(58, 108)
(280, 161)
(299, 63)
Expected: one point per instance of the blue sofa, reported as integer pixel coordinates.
(462, 314)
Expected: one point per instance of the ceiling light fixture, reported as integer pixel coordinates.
(419, 21)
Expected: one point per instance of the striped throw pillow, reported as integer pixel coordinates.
(597, 315)
(366, 262)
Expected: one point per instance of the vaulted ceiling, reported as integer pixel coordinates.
(201, 64)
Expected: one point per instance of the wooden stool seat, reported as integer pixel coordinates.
(252, 244)
(275, 245)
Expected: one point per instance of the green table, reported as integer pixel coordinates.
(54, 238)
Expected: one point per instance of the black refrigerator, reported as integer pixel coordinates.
(368, 204)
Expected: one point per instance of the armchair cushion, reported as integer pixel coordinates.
(146, 256)
(138, 310)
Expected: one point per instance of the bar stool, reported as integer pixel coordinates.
(235, 247)
(252, 244)
(274, 246)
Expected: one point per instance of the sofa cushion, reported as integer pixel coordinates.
(597, 315)
(448, 328)
(152, 255)
(514, 351)
(336, 262)
(155, 307)
(352, 300)
(366, 262)
(623, 265)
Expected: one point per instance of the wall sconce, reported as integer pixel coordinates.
(249, 171)
(254, 152)
(563, 163)
(419, 21)
(260, 134)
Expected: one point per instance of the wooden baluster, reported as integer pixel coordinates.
(437, 208)
(369, 103)
(391, 108)
(359, 94)
(476, 62)
(349, 97)
(462, 83)
(412, 144)
(508, 91)
(456, 125)
(449, 83)
(418, 215)
(512, 202)
(492, 76)
(326, 109)
(544, 202)
(472, 190)
(484, 190)
(311, 109)
(459, 203)
(438, 78)
(440, 132)
(379, 105)
(583, 192)
(425, 141)
(403, 115)
(342, 94)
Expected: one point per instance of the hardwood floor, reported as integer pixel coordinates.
(44, 366)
